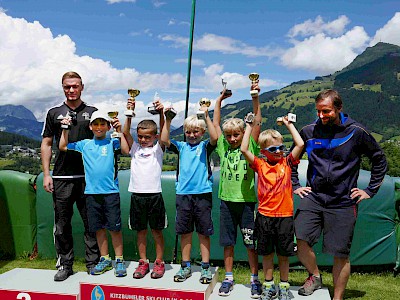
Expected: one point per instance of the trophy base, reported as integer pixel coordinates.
(129, 113)
(116, 135)
(227, 93)
(153, 110)
(201, 115)
(170, 113)
(253, 93)
(65, 126)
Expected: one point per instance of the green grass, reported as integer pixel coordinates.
(375, 285)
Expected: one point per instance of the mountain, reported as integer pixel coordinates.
(369, 86)
(20, 120)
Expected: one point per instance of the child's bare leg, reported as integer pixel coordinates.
(186, 246)
(268, 266)
(204, 247)
(142, 243)
(228, 258)
(102, 242)
(116, 237)
(159, 241)
(283, 262)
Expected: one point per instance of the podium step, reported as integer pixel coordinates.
(242, 292)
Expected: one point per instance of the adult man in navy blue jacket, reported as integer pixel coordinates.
(334, 145)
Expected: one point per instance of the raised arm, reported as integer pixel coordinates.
(244, 147)
(64, 140)
(217, 113)
(255, 132)
(210, 126)
(298, 141)
(128, 123)
(125, 148)
(165, 133)
(160, 107)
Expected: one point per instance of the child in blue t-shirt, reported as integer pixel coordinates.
(99, 157)
(193, 190)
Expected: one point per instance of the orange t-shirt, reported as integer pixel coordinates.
(275, 195)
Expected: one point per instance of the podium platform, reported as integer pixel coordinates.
(34, 284)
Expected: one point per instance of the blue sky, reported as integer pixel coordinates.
(143, 44)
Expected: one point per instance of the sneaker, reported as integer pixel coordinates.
(256, 289)
(311, 284)
(120, 268)
(226, 287)
(205, 276)
(284, 291)
(158, 269)
(63, 273)
(103, 266)
(269, 291)
(142, 269)
(183, 273)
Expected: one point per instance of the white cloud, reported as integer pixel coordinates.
(157, 3)
(327, 48)
(3, 10)
(195, 62)
(390, 33)
(119, 1)
(32, 62)
(225, 45)
(309, 27)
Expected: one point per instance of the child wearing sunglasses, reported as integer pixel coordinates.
(274, 230)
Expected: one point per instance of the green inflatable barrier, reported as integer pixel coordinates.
(17, 214)
(397, 221)
(374, 240)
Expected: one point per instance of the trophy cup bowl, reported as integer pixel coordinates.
(170, 113)
(113, 114)
(201, 115)
(249, 118)
(253, 77)
(227, 92)
(133, 93)
(65, 126)
(291, 117)
(152, 109)
(279, 121)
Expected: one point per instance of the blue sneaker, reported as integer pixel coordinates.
(256, 289)
(269, 291)
(205, 275)
(120, 269)
(284, 293)
(226, 287)
(184, 273)
(103, 266)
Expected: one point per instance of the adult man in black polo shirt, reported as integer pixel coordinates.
(68, 181)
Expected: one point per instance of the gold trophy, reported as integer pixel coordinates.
(201, 115)
(113, 114)
(227, 92)
(254, 78)
(133, 93)
(152, 109)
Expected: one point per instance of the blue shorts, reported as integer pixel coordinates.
(274, 235)
(104, 212)
(337, 225)
(194, 210)
(147, 209)
(232, 215)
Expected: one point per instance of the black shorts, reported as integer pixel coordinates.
(232, 215)
(194, 210)
(147, 209)
(337, 224)
(274, 234)
(104, 212)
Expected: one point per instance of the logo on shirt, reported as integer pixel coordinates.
(104, 151)
(143, 155)
(86, 116)
(198, 151)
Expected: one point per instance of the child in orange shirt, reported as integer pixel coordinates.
(274, 230)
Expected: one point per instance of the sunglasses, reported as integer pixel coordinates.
(273, 149)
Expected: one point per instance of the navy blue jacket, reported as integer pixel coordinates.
(334, 155)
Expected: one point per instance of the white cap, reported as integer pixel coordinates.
(98, 114)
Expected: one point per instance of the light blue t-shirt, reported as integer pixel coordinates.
(100, 163)
(194, 174)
